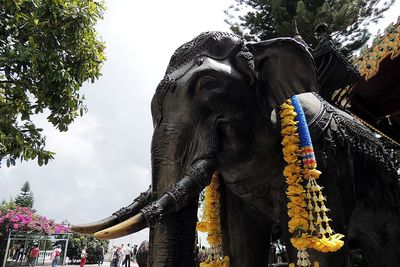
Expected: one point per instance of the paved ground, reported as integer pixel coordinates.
(106, 264)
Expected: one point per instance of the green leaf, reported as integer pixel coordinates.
(40, 161)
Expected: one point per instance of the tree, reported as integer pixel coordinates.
(5, 206)
(48, 49)
(347, 19)
(25, 197)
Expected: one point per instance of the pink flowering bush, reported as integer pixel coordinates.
(24, 219)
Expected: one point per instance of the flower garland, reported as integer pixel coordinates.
(211, 223)
(308, 224)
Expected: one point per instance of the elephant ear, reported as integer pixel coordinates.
(284, 67)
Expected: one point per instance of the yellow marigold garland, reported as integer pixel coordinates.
(308, 222)
(211, 224)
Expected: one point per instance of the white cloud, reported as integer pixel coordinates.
(78, 143)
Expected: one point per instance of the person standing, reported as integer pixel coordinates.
(112, 252)
(20, 254)
(13, 253)
(100, 255)
(134, 253)
(127, 253)
(114, 257)
(55, 256)
(34, 254)
(118, 256)
(83, 257)
(27, 252)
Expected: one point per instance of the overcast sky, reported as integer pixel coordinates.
(103, 161)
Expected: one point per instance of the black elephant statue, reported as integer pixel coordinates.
(216, 110)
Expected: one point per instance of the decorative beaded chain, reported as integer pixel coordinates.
(309, 223)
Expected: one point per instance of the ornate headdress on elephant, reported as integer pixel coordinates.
(221, 46)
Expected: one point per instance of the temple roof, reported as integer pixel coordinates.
(383, 47)
(376, 97)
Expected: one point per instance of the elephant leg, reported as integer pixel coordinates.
(245, 233)
(377, 235)
(364, 238)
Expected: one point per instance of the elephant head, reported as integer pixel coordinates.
(212, 112)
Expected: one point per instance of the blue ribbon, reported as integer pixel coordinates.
(304, 134)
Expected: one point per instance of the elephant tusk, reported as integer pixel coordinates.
(127, 227)
(124, 213)
(91, 228)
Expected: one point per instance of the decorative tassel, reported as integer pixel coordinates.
(309, 223)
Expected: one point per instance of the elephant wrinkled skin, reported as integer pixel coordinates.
(215, 110)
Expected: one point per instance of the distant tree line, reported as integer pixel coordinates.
(348, 20)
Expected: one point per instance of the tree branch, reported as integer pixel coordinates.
(7, 81)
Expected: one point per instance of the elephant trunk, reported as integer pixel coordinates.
(173, 217)
(181, 168)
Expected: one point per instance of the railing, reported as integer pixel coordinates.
(44, 256)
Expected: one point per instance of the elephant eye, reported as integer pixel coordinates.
(208, 83)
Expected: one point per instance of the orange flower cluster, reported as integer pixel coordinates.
(216, 263)
(211, 224)
(298, 223)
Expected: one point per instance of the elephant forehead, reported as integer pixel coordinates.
(209, 65)
(218, 45)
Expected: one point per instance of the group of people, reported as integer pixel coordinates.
(100, 256)
(31, 254)
(17, 253)
(123, 255)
